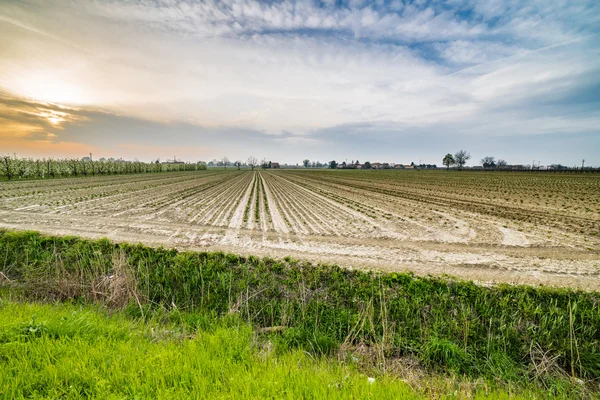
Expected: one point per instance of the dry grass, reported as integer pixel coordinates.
(117, 289)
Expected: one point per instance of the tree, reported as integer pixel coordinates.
(238, 164)
(225, 161)
(449, 161)
(305, 162)
(461, 157)
(7, 167)
(488, 162)
(502, 163)
(366, 165)
(252, 162)
(332, 164)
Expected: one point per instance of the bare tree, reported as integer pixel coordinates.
(225, 161)
(252, 162)
(238, 164)
(448, 161)
(488, 162)
(461, 157)
(501, 163)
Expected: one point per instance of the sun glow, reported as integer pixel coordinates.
(55, 118)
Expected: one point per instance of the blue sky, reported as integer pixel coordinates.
(395, 81)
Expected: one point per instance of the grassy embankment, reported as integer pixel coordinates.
(204, 324)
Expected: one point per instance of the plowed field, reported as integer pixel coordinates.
(491, 227)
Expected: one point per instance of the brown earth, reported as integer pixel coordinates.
(489, 228)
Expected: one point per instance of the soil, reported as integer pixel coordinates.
(330, 218)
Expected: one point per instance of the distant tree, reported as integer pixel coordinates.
(501, 163)
(488, 162)
(332, 164)
(238, 164)
(270, 165)
(366, 165)
(553, 166)
(306, 162)
(7, 168)
(448, 161)
(225, 161)
(252, 162)
(461, 157)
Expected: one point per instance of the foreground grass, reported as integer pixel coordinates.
(515, 338)
(66, 351)
(71, 351)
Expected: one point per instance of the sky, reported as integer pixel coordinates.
(380, 81)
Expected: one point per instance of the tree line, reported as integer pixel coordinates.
(29, 168)
(461, 157)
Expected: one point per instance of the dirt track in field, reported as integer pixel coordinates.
(502, 228)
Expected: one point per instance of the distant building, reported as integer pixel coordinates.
(275, 165)
(174, 161)
(86, 159)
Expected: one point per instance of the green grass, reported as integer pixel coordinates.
(514, 336)
(67, 351)
(72, 351)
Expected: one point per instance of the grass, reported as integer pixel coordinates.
(541, 339)
(70, 351)
(74, 351)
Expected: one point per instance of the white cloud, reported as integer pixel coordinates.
(299, 67)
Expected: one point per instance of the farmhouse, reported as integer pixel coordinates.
(275, 165)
